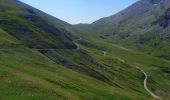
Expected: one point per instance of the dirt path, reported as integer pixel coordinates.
(145, 84)
(146, 76)
(146, 88)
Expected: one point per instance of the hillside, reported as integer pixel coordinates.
(142, 26)
(36, 32)
(30, 28)
(7, 38)
(42, 57)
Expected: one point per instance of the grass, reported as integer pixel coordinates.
(123, 61)
(32, 29)
(29, 75)
(6, 38)
(77, 74)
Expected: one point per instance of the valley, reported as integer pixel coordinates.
(121, 57)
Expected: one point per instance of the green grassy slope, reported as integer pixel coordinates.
(32, 29)
(28, 75)
(6, 38)
(7, 41)
(122, 62)
(70, 73)
(36, 31)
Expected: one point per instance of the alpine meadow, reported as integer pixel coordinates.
(125, 56)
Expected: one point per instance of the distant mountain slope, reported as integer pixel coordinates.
(143, 26)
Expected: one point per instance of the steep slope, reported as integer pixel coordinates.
(34, 30)
(28, 75)
(57, 22)
(109, 24)
(38, 60)
(30, 28)
(142, 26)
(126, 65)
(7, 39)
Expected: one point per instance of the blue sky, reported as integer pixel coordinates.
(80, 11)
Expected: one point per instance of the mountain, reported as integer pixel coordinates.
(30, 28)
(35, 30)
(42, 57)
(41, 61)
(143, 26)
(141, 29)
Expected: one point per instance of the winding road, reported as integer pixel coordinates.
(145, 84)
(145, 80)
(146, 88)
(146, 77)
